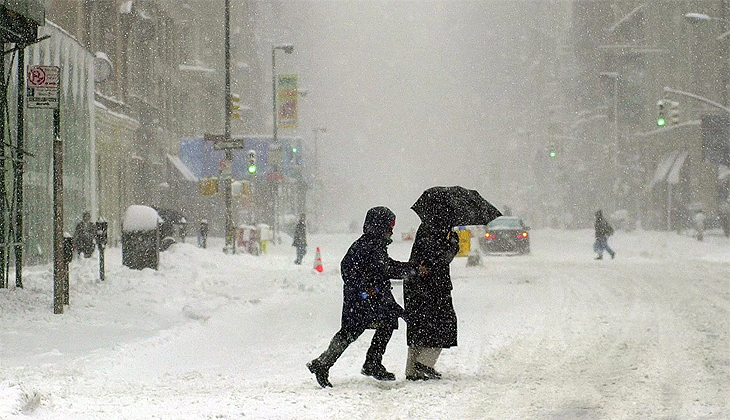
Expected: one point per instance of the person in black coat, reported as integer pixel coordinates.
(603, 231)
(84, 233)
(300, 238)
(367, 298)
(427, 298)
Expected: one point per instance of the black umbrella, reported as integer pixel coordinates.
(454, 206)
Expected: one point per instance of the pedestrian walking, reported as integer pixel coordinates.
(698, 220)
(300, 238)
(203, 234)
(368, 301)
(432, 322)
(603, 231)
(84, 233)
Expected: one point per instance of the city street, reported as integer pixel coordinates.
(551, 335)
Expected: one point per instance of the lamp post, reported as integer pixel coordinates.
(614, 76)
(701, 17)
(287, 48)
(317, 183)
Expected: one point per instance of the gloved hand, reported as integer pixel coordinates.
(370, 291)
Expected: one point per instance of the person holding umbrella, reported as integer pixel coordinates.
(432, 322)
(367, 298)
(431, 316)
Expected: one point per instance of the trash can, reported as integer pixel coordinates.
(141, 238)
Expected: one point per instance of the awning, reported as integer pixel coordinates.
(673, 177)
(182, 169)
(662, 169)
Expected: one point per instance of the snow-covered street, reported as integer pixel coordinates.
(551, 335)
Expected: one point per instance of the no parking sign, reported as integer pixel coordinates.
(43, 86)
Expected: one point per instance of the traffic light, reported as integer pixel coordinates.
(235, 107)
(660, 119)
(252, 162)
(552, 150)
(673, 113)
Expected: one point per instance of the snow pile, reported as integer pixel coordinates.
(553, 334)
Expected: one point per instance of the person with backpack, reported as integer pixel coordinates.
(603, 231)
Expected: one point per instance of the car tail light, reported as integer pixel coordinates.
(522, 235)
(489, 235)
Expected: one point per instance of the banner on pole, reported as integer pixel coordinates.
(286, 101)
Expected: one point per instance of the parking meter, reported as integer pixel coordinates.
(101, 238)
(101, 232)
(68, 249)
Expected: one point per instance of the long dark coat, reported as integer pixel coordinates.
(300, 235)
(430, 311)
(367, 265)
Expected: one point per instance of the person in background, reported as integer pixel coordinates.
(367, 298)
(203, 234)
(300, 238)
(698, 220)
(432, 323)
(603, 231)
(83, 239)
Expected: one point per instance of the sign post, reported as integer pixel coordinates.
(43, 92)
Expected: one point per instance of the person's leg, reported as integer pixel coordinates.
(600, 246)
(320, 366)
(374, 360)
(339, 343)
(377, 346)
(413, 353)
(300, 255)
(609, 250)
(427, 360)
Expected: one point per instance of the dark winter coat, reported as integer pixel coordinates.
(300, 235)
(366, 266)
(83, 238)
(603, 229)
(430, 311)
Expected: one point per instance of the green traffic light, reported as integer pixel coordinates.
(295, 150)
(553, 154)
(252, 169)
(661, 122)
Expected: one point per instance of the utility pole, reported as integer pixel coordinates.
(230, 240)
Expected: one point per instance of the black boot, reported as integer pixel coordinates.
(377, 371)
(321, 372)
(428, 371)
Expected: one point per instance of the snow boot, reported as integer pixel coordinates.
(418, 376)
(377, 371)
(320, 372)
(428, 371)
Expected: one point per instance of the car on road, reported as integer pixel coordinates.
(506, 234)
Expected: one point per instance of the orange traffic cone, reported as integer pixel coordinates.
(318, 262)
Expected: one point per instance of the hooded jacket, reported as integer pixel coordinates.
(367, 266)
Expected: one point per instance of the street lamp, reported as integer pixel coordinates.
(318, 200)
(701, 17)
(615, 76)
(287, 48)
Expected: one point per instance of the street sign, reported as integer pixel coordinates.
(43, 87)
(231, 144)
(220, 143)
(213, 137)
